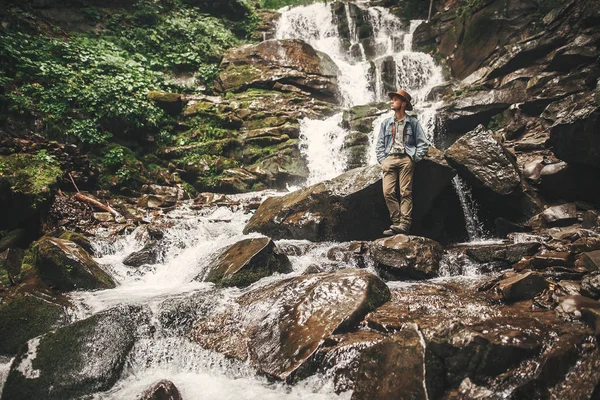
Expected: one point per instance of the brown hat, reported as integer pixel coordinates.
(404, 95)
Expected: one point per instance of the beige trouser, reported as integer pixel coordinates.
(398, 171)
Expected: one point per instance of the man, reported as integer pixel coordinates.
(401, 144)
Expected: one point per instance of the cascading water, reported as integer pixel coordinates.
(362, 73)
(469, 207)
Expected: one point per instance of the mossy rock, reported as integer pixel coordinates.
(170, 102)
(247, 261)
(27, 186)
(12, 239)
(26, 316)
(76, 360)
(10, 266)
(79, 239)
(64, 265)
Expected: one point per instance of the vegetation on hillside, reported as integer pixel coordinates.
(89, 85)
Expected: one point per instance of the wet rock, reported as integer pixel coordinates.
(547, 259)
(590, 285)
(590, 260)
(292, 62)
(484, 162)
(104, 217)
(521, 286)
(76, 360)
(66, 266)
(561, 215)
(247, 261)
(580, 307)
(79, 239)
(290, 318)
(590, 219)
(406, 257)
(483, 350)
(162, 390)
(149, 254)
(339, 356)
(348, 207)
(392, 369)
(23, 317)
(509, 252)
(156, 201)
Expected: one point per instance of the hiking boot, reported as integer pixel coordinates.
(389, 232)
(399, 228)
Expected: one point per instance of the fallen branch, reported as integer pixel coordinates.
(96, 203)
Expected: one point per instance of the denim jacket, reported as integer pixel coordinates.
(416, 145)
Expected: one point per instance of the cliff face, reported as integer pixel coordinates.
(528, 71)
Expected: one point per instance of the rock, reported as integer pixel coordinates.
(292, 62)
(590, 285)
(484, 162)
(406, 257)
(339, 356)
(393, 369)
(509, 252)
(290, 318)
(162, 390)
(561, 215)
(13, 239)
(590, 219)
(76, 360)
(547, 259)
(156, 201)
(348, 207)
(27, 187)
(103, 217)
(581, 307)
(79, 239)
(149, 254)
(483, 350)
(574, 136)
(66, 266)
(590, 260)
(247, 261)
(170, 102)
(10, 264)
(562, 181)
(23, 317)
(521, 286)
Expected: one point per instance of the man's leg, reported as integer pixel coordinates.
(390, 180)
(406, 168)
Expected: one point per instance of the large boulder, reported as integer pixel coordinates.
(406, 257)
(284, 62)
(246, 262)
(484, 162)
(290, 318)
(23, 317)
(64, 265)
(76, 360)
(350, 206)
(491, 170)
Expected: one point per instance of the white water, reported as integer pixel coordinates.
(360, 78)
(469, 206)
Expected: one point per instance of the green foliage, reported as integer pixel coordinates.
(277, 4)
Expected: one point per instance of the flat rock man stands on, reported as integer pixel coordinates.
(401, 144)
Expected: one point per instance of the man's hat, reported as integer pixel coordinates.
(404, 95)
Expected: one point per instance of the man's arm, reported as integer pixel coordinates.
(422, 143)
(380, 145)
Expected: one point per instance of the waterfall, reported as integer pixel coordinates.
(469, 207)
(362, 78)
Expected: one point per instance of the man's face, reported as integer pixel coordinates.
(397, 103)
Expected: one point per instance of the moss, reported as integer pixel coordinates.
(238, 76)
(31, 175)
(259, 122)
(24, 317)
(12, 239)
(79, 239)
(163, 97)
